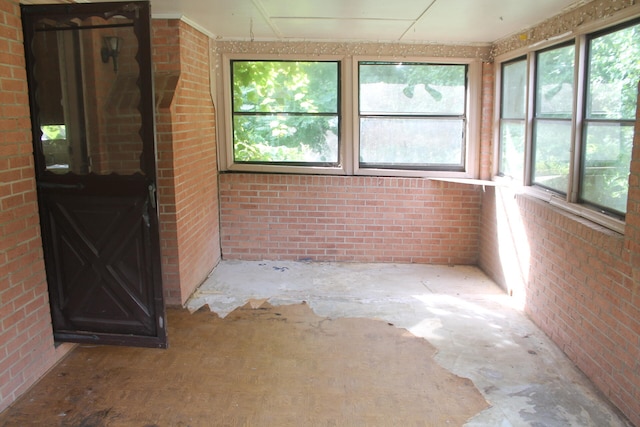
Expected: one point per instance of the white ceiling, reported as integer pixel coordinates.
(441, 21)
(428, 21)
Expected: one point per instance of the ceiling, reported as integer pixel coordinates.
(411, 21)
(441, 21)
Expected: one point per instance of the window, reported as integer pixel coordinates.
(581, 124)
(412, 115)
(553, 118)
(610, 110)
(348, 115)
(55, 148)
(286, 112)
(513, 118)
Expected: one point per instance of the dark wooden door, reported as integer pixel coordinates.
(92, 110)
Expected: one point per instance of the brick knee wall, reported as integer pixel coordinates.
(363, 219)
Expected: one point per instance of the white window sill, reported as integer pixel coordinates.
(483, 182)
(604, 220)
(601, 219)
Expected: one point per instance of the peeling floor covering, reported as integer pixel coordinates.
(477, 330)
(259, 366)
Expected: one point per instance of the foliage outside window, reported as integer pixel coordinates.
(412, 115)
(610, 110)
(513, 118)
(55, 148)
(286, 112)
(582, 123)
(552, 123)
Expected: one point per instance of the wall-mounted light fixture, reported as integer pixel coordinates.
(110, 49)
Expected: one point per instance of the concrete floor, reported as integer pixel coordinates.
(477, 329)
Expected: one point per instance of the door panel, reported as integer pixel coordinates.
(91, 98)
(102, 278)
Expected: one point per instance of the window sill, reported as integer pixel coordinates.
(282, 169)
(470, 181)
(341, 171)
(601, 219)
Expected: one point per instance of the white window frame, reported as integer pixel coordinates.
(500, 119)
(225, 122)
(349, 118)
(568, 203)
(472, 114)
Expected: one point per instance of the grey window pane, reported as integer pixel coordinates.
(512, 148)
(514, 86)
(412, 142)
(552, 153)
(423, 89)
(554, 83)
(607, 159)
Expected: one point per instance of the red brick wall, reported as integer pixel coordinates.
(187, 165)
(118, 97)
(628, 316)
(26, 337)
(581, 282)
(364, 219)
(166, 62)
(113, 114)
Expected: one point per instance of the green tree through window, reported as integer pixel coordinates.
(554, 95)
(613, 75)
(285, 112)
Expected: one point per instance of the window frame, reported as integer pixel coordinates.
(338, 114)
(537, 118)
(472, 123)
(580, 170)
(501, 119)
(570, 202)
(349, 143)
(226, 161)
(389, 115)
